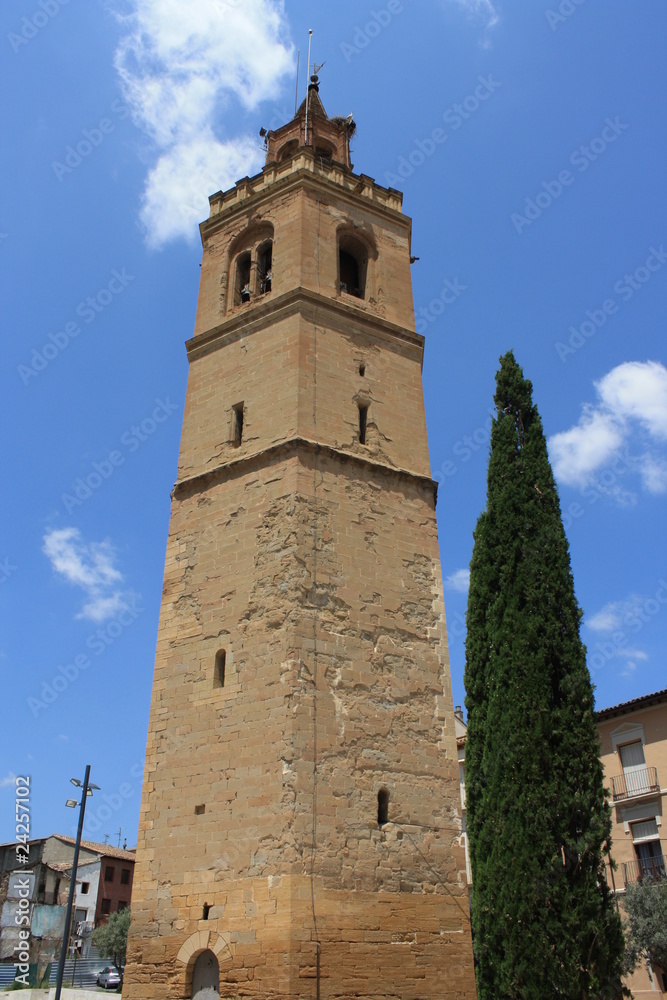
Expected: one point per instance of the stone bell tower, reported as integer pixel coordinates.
(300, 832)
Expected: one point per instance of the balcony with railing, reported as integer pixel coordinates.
(650, 869)
(643, 781)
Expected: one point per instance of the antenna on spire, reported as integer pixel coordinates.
(310, 38)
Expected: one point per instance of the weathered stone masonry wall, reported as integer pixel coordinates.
(354, 633)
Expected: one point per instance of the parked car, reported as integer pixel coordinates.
(108, 977)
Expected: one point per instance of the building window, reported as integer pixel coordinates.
(85, 886)
(106, 906)
(237, 424)
(200, 810)
(264, 262)
(288, 150)
(122, 905)
(251, 264)
(242, 282)
(646, 840)
(219, 673)
(352, 266)
(363, 420)
(125, 876)
(383, 806)
(206, 911)
(633, 762)
(109, 873)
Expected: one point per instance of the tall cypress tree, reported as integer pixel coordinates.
(544, 921)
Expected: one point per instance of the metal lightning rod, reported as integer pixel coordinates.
(310, 38)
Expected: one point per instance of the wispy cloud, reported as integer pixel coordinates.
(458, 580)
(89, 567)
(482, 8)
(631, 408)
(8, 781)
(615, 614)
(181, 67)
(611, 640)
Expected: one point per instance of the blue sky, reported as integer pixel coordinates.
(529, 142)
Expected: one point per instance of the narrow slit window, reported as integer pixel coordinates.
(363, 420)
(349, 274)
(383, 807)
(264, 266)
(220, 661)
(206, 911)
(237, 424)
(242, 287)
(352, 265)
(362, 369)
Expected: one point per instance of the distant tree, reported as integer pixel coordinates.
(544, 921)
(645, 903)
(110, 938)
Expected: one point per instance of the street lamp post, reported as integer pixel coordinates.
(87, 790)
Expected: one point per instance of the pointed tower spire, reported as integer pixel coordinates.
(329, 138)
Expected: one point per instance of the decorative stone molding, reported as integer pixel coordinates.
(200, 941)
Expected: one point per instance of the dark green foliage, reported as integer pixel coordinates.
(110, 938)
(544, 921)
(646, 906)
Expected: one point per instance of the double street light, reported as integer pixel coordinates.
(87, 789)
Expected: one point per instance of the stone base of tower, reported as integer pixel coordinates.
(383, 946)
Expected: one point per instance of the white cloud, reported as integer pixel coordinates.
(177, 187)
(586, 447)
(639, 391)
(181, 65)
(8, 781)
(482, 8)
(459, 580)
(614, 615)
(611, 643)
(631, 409)
(90, 567)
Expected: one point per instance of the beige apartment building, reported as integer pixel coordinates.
(634, 754)
(633, 739)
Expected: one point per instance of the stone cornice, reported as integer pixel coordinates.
(294, 445)
(304, 168)
(312, 305)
